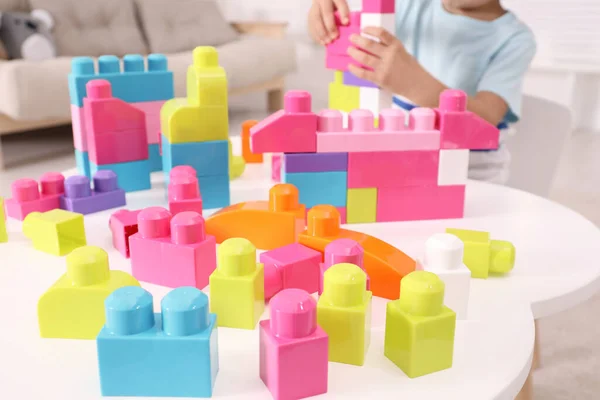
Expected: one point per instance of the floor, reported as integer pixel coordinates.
(570, 347)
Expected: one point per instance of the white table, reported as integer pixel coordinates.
(493, 348)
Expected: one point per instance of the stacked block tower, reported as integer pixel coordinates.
(145, 87)
(195, 130)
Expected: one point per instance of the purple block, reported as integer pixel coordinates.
(315, 162)
(80, 198)
(352, 80)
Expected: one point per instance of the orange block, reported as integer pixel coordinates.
(267, 224)
(385, 264)
(248, 155)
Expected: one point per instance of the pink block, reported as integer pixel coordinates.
(341, 44)
(420, 203)
(291, 130)
(342, 251)
(184, 193)
(151, 110)
(293, 348)
(276, 167)
(28, 196)
(342, 211)
(391, 135)
(172, 251)
(337, 62)
(291, 266)
(182, 170)
(79, 129)
(393, 169)
(378, 6)
(116, 130)
(123, 224)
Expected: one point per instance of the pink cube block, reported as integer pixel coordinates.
(123, 224)
(341, 44)
(172, 251)
(414, 203)
(293, 348)
(342, 251)
(182, 170)
(184, 194)
(342, 211)
(28, 196)
(291, 266)
(379, 6)
(151, 110)
(276, 161)
(79, 129)
(291, 130)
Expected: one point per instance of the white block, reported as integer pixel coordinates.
(385, 21)
(453, 167)
(444, 257)
(374, 100)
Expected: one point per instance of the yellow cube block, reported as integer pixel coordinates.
(237, 291)
(56, 232)
(73, 308)
(3, 234)
(361, 206)
(342, 97)
(344, 312)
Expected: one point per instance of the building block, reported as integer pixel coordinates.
(342, 251)
(79, 128)
(419, 329)
(454, 167)
(484, 256)
(237, 292)
(180, 170)
(374, 99)
(291, 130)
(207, 158)
(378, 6)
(132, 176)
(444, 257)
(362, 206)
(28, 196)
(80, 198)
(56, 232)
(391, 135)
(338, 62)
(276, 162)
(82, 162)
(203, 115)
(267, 224)
(151, 110)
(123, 224)
(3, 233)
(237, 164)
(116, 130)
(384, 264)
(344, 312)
(311, 185)
(393, 169)
(155, 157)
(172, 251)
(73, 307)
(343, 97)
(349, 79)
(184, 194)
(342, 212)
(315, 162)
(173, 353)
(293, 348)
(413, 203)
(215, 191)
(292, 266)
(133, 84)
(247, 153)
(385, 20)
(341, 44)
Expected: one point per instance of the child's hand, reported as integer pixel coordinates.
(321, 21)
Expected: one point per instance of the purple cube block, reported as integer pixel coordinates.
(352, 80)
(315, 162)
(80, 198)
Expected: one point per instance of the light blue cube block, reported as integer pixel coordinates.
(207, 158)
(155, 157)
(82, 161)
(132, 176)
(214, 191)
(320, 187)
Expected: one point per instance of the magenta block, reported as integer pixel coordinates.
(182, 170)
(151, 110)
(79, 129)
(276, 167)
(293, 348)
(337, 62)
(291, 266)
(352, 80)
(123, 224)
(80, 198)
(172, 251)
(378, 6)
(315, 162)
(341, 44)
(291, 130)
(393, 169)
(28, 196)
(342, 251)
(116, 130)
(420, 203)
(342, 211)
(184, 193)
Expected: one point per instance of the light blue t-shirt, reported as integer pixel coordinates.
(468, 54)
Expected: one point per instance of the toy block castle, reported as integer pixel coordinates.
(393, 172)
(145, 87)
(195, 130)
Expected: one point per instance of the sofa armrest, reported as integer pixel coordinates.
(275, 30)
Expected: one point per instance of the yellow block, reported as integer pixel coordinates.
(56, 232)
(203, 115)
(3, 234)
(344, 312)
(342, 97)
(73, 308)
(237, 164)
(361, 207)
(237, 292)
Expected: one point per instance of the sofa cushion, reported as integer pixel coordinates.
(14, 5)
(94, 28)
(173, 26)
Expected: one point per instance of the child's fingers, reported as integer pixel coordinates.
(362, 73)
(384, 36)
(317, 26)
(327, 14)
(342, 7)
(368, 45)
(364, 58)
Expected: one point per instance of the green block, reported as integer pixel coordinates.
(361, 206)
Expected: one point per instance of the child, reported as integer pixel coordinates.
(473, 45)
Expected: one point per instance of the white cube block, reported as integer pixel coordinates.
(453, 167)
(374, 100)
(444, 257)
(385, 21)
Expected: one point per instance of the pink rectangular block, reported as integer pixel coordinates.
(118, 147)
(337, 62)
(276, 160)
(393, 169)
(378, 6)
(341, 44)
(420, 203)
(123, 224)
(151, 111)
(342, 211)
(79, 129)
(28, 196)
(291, 266)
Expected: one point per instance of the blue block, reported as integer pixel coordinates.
(132, 176)
(320, 187)
(214, 191)
(169, 354)
(155, 157)
(207, 158)
(134, 84)
(82, 160)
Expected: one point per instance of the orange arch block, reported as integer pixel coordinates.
(385, 264)
(267, 224)
(247, 153)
